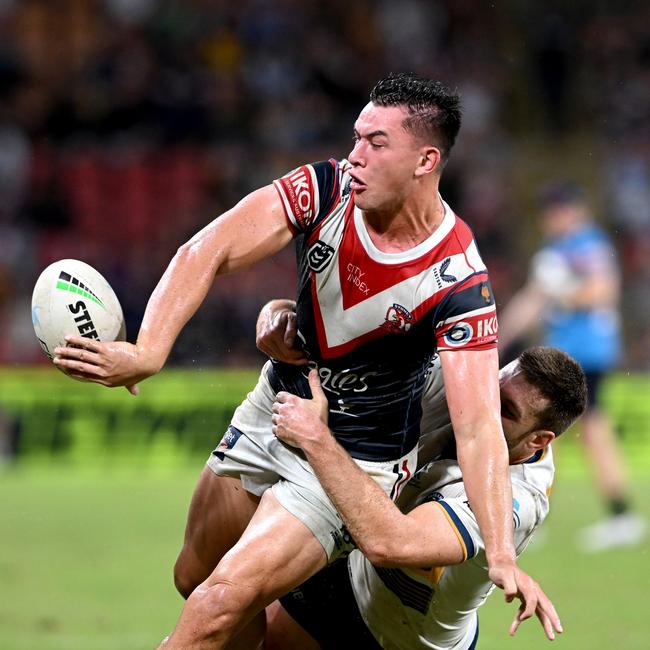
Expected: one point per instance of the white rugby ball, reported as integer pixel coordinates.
(72, 298)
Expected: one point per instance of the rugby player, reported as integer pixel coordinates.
(388, 276)
(420, 573)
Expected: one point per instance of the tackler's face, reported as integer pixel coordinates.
(384, 159)
(520, 404)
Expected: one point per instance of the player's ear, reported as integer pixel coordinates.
(540, 439)
(430, 161)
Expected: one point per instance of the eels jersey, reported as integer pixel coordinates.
(371, 321)
(436, 607)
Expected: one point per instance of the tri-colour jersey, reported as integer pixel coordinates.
(371, 321)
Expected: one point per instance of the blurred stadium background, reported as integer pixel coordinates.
(126, 125)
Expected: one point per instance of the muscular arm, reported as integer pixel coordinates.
(387, 537)
(472, 388)
(252, 230)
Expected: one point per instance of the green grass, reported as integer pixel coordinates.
(85, 563)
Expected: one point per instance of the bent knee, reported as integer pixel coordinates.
(222, 606)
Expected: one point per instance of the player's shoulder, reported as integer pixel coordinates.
(310, 191)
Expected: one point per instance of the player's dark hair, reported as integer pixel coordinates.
(561, 380)
(433, 109)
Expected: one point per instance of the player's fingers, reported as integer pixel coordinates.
(85, 377)
(315, 386)
(282, 397)
(290, 330)
(134, 389)
(83, 342)
(546, 624)
(514, 626)
(78, 353)
(93, 372)
(528, 605)
(545, 608)
(510, 590)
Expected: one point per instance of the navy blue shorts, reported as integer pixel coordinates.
(326, 607)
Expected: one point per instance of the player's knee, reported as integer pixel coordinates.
(221, 606)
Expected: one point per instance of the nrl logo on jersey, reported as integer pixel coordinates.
(441, 275)
(319, 256)
(398, 319)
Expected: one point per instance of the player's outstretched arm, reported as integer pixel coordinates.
(252, 230)
(472, 389)
(483, 458)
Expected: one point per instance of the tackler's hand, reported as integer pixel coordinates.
(276, 332)
(300, 422)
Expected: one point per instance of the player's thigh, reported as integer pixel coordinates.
(219, 512)
(276, 553)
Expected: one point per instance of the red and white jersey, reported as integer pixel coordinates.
(372, 321)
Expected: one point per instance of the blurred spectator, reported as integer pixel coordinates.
(573, 292)
(152, 116)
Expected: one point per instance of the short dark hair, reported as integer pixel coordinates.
(434, 110)
(561, 380)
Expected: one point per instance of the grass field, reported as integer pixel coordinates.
(85, 564)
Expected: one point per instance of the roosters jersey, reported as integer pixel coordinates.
(372, 321)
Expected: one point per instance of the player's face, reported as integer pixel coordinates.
(384, 159)
(520, 404)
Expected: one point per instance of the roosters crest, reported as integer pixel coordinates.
(398, 319)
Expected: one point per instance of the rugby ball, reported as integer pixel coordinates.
(71, 298)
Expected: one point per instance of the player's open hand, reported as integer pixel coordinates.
(518, 584)
(300, 422)
(111, 364)
(276, 332)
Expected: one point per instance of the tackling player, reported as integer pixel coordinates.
(420, 575)
(388, 276)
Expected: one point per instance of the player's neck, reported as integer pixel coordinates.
(406, 226)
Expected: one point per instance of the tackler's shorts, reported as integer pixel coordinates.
(250, 452)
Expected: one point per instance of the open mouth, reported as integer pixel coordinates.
(356, 184)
